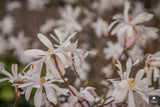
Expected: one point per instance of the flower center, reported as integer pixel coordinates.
(132, 83)
(42, 80)
(69, 21)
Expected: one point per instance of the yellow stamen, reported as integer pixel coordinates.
(69, 21)
(42, 80)
(132, 83)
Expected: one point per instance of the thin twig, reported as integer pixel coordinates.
(66, 82)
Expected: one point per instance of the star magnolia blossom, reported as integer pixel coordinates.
(152, 66)
(54, 59)
(126, 87)
(42, 85)
(69, 23)
(12, 78)
(127, 30)
(136, 53)
(113, 50)
(70, 48)
(100, 27)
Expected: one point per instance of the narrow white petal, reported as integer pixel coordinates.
(59, 35)
(45, 41)
(4, 79)
(14, 70)
(131, 101)
(51, 95)
(142, 17)
(128, 65)
(139, 75)
(35, 53)
(28, 93)
(144, 97)
(126, 11)
(38, 98)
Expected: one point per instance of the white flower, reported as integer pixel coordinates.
(136, 53)
(13, 5)
(3, 45)
(128, 29)
(126, 87)
(113, 50)
(20, 44)
(100, 27)
(12, 78)
(43, 86)
(7, 25)
(69, 22)
(70, 48)
(152, 66)
(37, 4)
(54, 59)
(47, 26)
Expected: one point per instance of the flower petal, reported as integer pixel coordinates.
(38, 98)
(14, 70)
(28, 93)
(35, 53)
(45, 41)
(131, 101)
(142, 17)
(51, 95)
(139, 75)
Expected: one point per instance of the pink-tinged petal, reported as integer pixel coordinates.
(76, 93)
(51, 95)
(28, 93)
(130, 31)
(46, 42)
(130, 41)
(38, 98)
(131, 101)
(14, 70)
(142, 17)
(91, 90)
(88, 96)
(35, 53)
(139, 75)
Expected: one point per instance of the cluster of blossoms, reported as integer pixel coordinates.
(46, 72)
